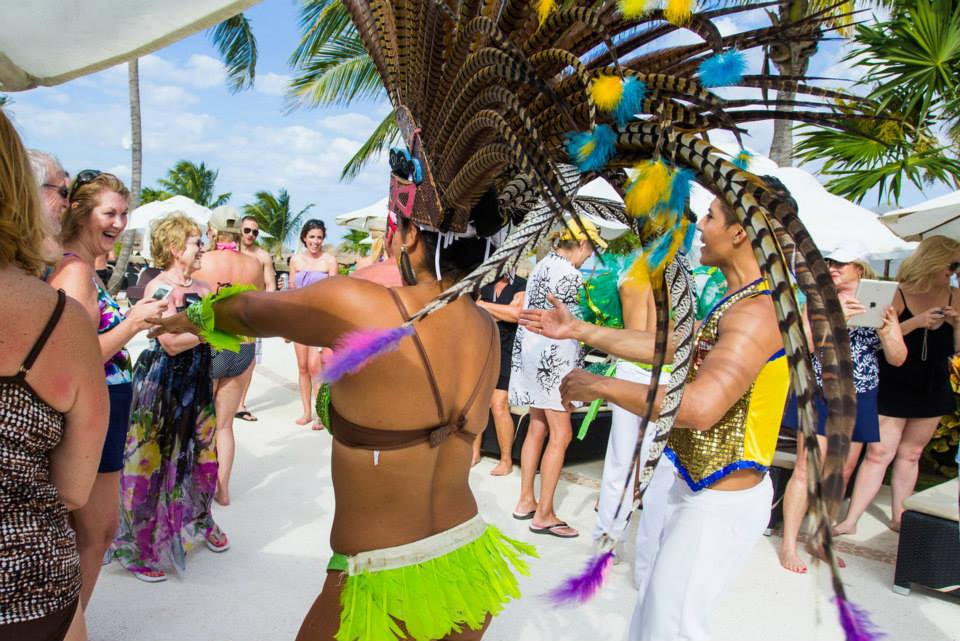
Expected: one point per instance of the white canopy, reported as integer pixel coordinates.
(47, 42)
(937, 216)
(600, 188)
(370, 218)
(141, 217)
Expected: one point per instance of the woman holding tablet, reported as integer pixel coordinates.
(847, 268)
(914, 396)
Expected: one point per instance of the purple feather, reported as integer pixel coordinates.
(856, 622)
(585, 586)
(355, 349)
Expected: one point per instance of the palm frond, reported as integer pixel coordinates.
(387, 133)
(338, 72)
(237, 45)
(320, 21)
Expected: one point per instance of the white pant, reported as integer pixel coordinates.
(624, 428)
(707, 538)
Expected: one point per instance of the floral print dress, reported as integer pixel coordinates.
(538, 364)
(170, 461)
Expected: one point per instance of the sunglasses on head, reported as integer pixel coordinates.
(60, 189)
(250, 231)
(85, 177)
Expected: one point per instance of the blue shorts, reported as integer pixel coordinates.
(112, 458)
(866, 429)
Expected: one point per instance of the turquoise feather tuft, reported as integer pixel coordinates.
(631, 102)
(680, 188)
(687, 241)
(742, 159)
(591, 150)
(723, 69)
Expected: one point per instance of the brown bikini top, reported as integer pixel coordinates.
(369, 438)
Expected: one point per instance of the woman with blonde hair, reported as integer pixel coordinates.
(53, 417)
(91, 226)
(914, 396)
(170, 463)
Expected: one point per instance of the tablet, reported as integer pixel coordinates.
(875, 296)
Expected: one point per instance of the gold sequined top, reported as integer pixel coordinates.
(746, 436)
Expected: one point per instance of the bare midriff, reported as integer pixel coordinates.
(738, 480)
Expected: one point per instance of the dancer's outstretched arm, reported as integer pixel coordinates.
(559, 323)
(314, 315)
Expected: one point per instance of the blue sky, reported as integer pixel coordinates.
(188, 113)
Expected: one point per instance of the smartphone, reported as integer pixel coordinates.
(162, 292)
(876, 296)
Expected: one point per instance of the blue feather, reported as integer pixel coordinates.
(658, 253)
(742, 159)
(631, 101)
(688, 238)
(680, 188)
(723, 69)
(604, 144)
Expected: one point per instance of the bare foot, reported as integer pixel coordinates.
(823, 557)
(221, 497)
(317, 426)
(843, 527)
(792, 562)
(502, 469)
(894, 525)
(303, 420)
(524, 508)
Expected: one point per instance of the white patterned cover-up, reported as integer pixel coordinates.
(538, 364)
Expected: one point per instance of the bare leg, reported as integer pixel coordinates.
(305, 381)
(476, 447)
(78, 627)
(795, 507)
(916, 435)
(503, 421)
(851, 464)
(870, 478)
(246, 388)
(226, 401)
(96, 525)
(530, 459)
(561, 432)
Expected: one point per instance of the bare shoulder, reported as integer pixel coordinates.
(753, 318)
(295, 261)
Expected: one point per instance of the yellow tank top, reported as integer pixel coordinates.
(746, 436)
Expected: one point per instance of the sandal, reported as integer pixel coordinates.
(217, 541)
(246, 415)
(148, 575)
(552, 530)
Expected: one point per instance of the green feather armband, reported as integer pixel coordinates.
(201, 314)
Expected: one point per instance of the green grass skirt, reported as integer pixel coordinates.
(436, 597)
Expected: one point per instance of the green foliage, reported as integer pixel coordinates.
(188, 179)
(912, 66)
(625, 244)
(237, 45)
(149, 195)
(351, 242)
(274, 216)
(385, 135)
(941, 451)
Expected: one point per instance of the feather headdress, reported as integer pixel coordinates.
(532, 98)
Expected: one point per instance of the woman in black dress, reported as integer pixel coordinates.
(914, 396)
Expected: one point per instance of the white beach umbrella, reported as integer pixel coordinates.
(48, 42)
(936, 216)
(370, 218)
(142, 217)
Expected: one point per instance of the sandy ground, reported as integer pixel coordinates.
(279, 524)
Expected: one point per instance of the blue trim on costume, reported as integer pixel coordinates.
(706, 482)
(777, 355)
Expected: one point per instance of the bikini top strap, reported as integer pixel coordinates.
(431, 377)
(461, 421)
(904, 298)
(44, 335)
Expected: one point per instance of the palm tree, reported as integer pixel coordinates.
(912, 66)
(274, 216)
(352, 242)
(136, 172)
(332, 67)
(196, 182)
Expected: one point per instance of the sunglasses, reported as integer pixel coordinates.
(85, 177)
(834, 263)
(60, 189)
(954, 266)
(250, 231)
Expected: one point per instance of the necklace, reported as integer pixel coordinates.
(186, 283)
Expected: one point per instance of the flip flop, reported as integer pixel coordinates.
(246, 415)
(550, 529)
(524, 517)
(224, 544)
(149, 576)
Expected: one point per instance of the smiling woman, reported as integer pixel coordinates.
(96, 217)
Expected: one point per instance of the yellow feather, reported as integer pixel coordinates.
(634, 8)
(650, 185)
(587, 149)
(606, 91)
(544, 7)
(677, 236)
(678, 11)
(638, 276)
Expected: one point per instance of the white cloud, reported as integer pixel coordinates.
(160, 96)
(354, 122)
(199, 72)
(121, 171)
(272, 84)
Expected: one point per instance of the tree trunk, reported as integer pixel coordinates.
(128, 238)
(781, 146)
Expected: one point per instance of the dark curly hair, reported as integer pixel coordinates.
(309, 226)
